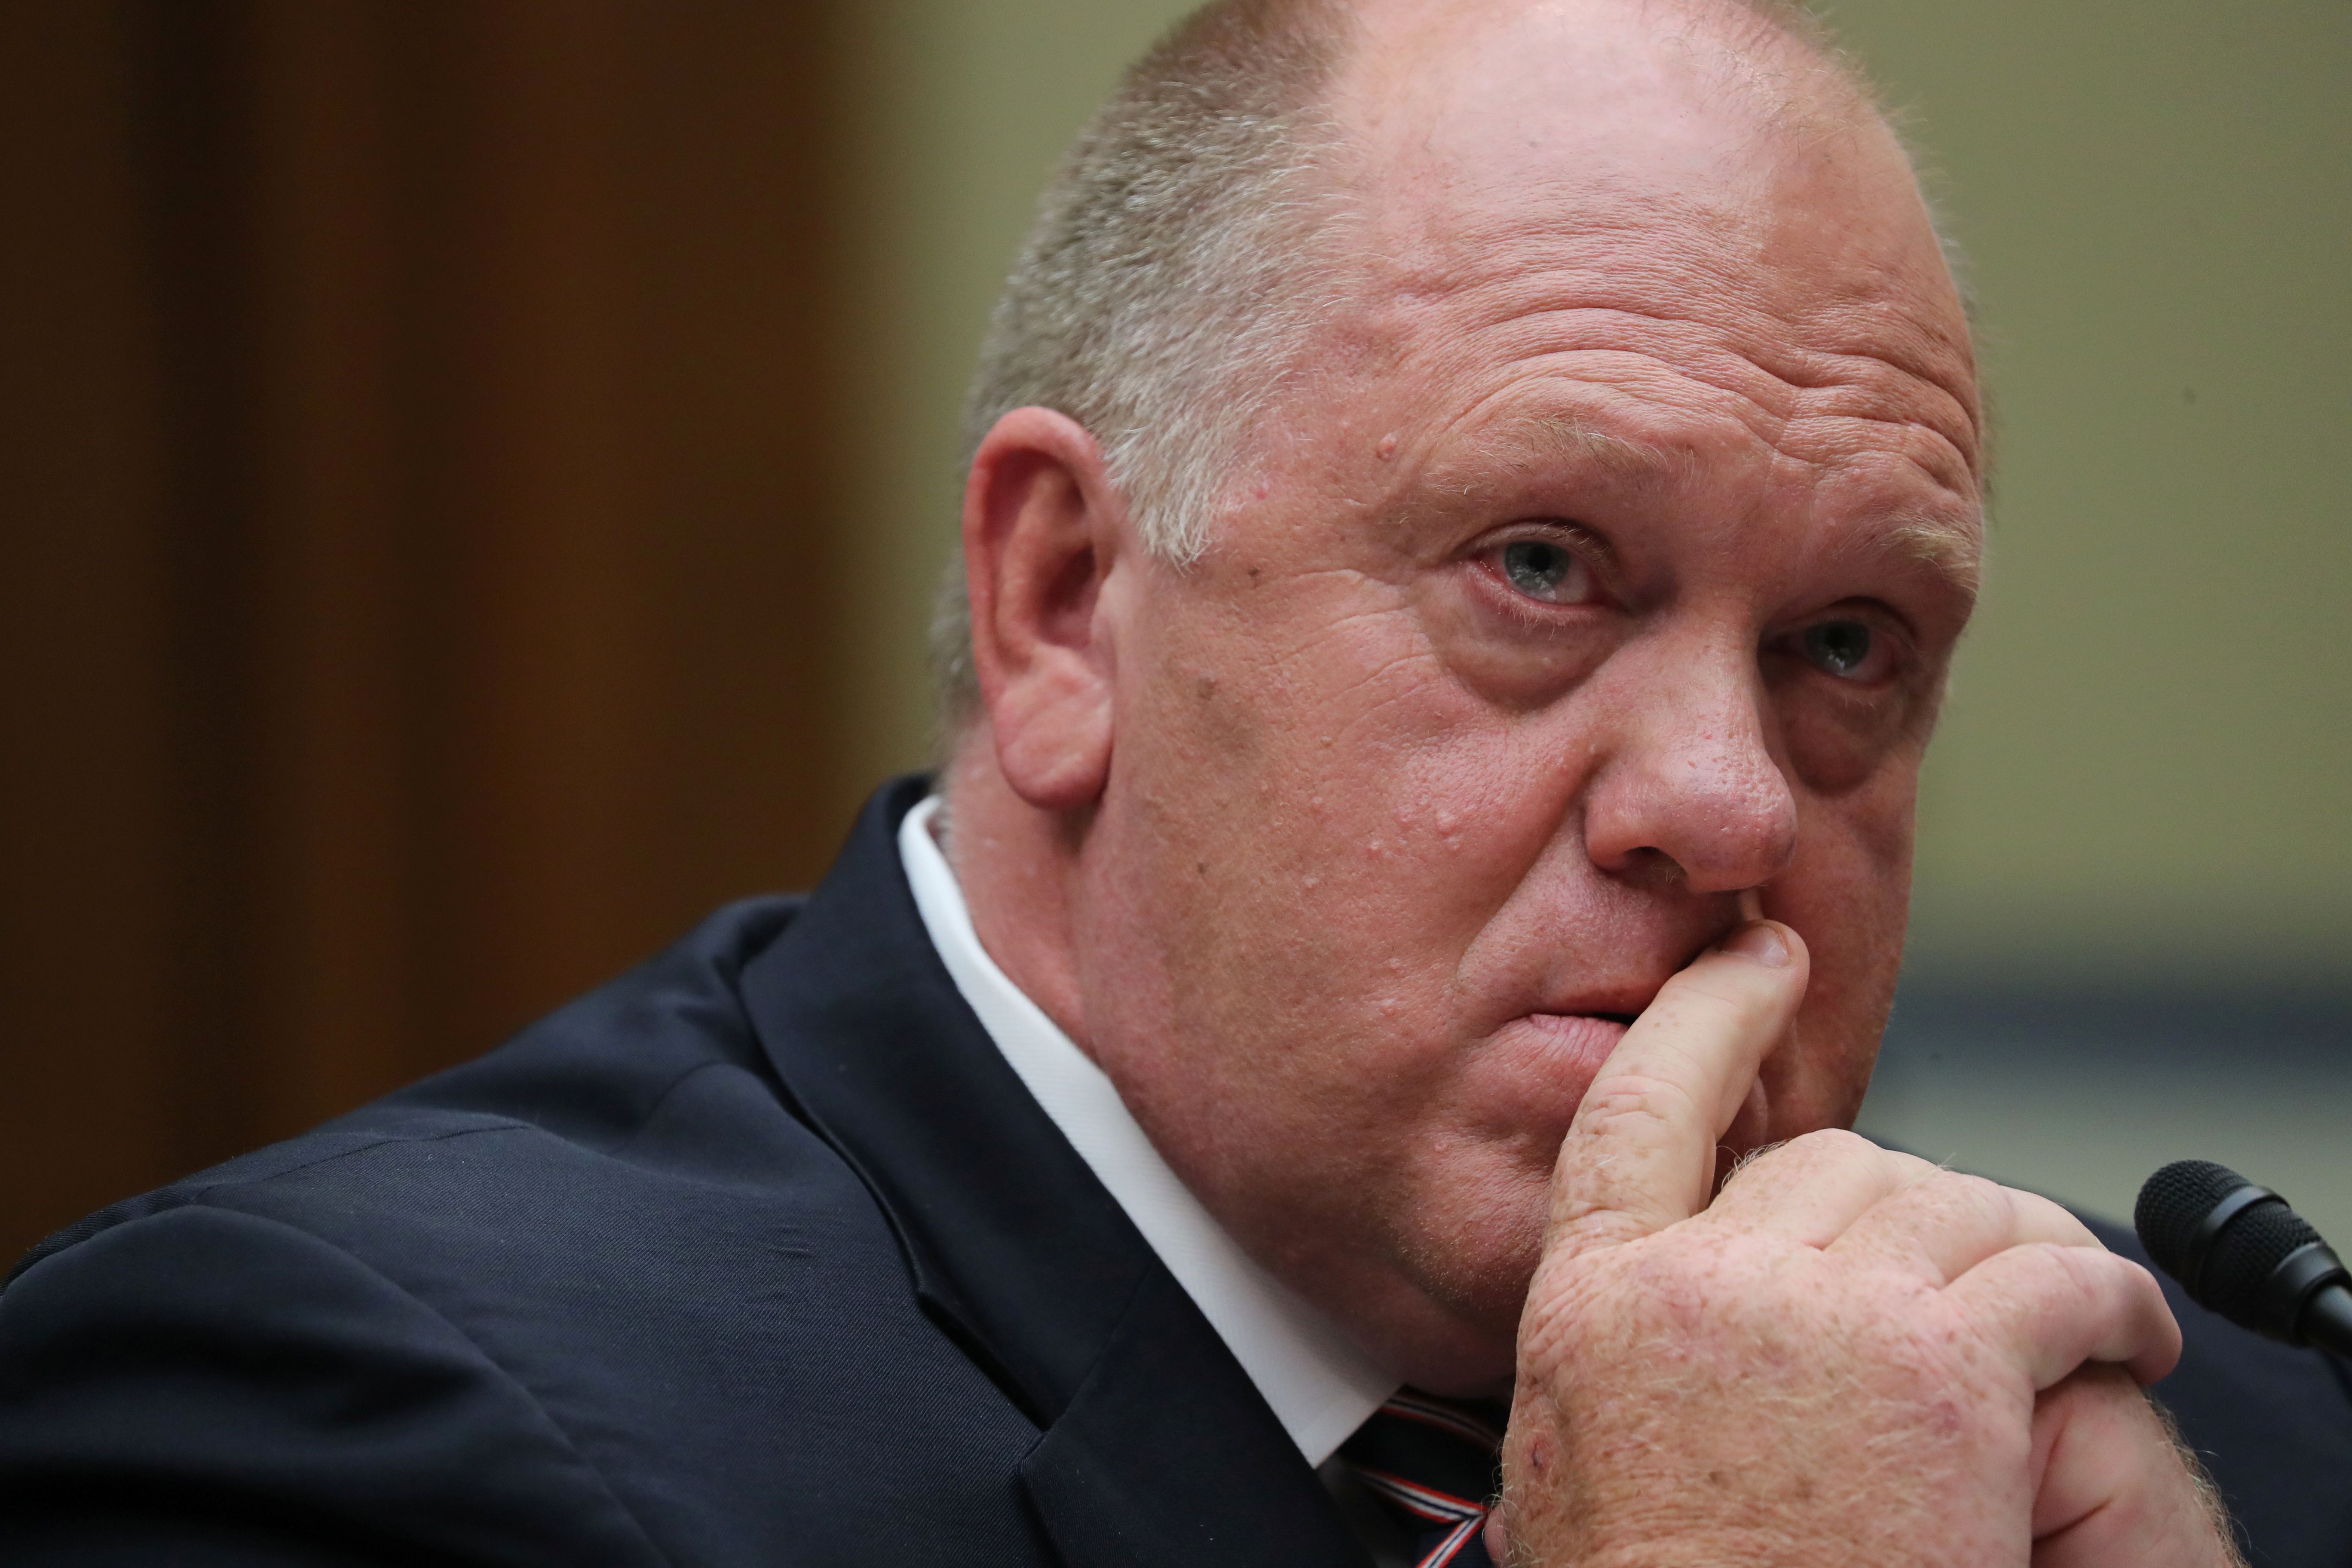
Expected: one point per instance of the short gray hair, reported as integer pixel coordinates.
(1169, 277)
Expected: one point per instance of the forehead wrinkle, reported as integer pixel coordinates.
(1469, 450)
(1685, 266)
(1861, 369)
(1732, 350)
(1556, 437)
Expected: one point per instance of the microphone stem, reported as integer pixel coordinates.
(2327, 1319)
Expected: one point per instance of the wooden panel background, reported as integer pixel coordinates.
(420, 538)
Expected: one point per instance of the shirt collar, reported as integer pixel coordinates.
(1318, 1384)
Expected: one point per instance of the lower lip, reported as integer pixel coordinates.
(1580, 1037)
(1557, 1057)
(1542, 1066)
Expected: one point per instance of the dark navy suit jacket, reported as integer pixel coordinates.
(759, 1256)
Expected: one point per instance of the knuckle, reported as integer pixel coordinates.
(1803, 1157)
(1737, 990)
(1956, 1196)
(2068, 1276)
(1835, 1143)
(1584, 1225)
(2052, 1220)
(1622, 1102)
(1763, 1155)
(1911, 1168)
(1975, 1191)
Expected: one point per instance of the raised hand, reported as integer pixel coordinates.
(1848, 1356)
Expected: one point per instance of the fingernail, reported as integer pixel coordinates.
(1762, 941)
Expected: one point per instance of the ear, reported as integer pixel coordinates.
(1041, 535)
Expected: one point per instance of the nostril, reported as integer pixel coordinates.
(1698, 814)
(1654, 860)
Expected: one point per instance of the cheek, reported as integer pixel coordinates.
(1331, 734)
(1325, 840)
(1849, 900)
(1837, 744)
(1434, 814)
(1275, 764)
(1514, 661)
(1839, 737)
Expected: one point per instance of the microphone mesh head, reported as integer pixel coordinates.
(2238, 1269)
(2174, 1202)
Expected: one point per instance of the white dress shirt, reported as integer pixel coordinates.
(1320, 1385)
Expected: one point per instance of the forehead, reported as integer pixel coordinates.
(1639, 198)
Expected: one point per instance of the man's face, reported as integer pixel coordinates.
(1603, 561)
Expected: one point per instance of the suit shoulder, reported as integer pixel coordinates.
(328, 1401)
(621, 1221)
(587, 1081)
(591, 1070)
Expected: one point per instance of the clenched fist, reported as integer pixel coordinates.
(1848, 1356)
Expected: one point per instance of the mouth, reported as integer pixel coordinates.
(1584, 1038)
(1556, 1047)
(1538, 1069)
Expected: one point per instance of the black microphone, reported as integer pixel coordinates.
(2240, 1250)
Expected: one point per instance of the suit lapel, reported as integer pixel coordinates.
(1155, 1443)
(1168, 1456)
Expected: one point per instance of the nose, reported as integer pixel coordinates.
(1685, 777)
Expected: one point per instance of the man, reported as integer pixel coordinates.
(1470, 510)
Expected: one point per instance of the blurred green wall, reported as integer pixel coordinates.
(965, 109)
(2142, 769)
(2146, 754)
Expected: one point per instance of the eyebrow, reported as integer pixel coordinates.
(1528, 440)
(1953, 550)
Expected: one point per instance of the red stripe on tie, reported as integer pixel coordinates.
(1467, 1427)
(1452, 1546)
(1428, 1502)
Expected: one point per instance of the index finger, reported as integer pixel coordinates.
(1640, 1155)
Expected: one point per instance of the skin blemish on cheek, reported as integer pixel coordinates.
(1387, 448)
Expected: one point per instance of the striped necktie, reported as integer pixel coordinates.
(1436, 1463)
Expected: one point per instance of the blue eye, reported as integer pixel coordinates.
(1839, 647)
(1542, 570)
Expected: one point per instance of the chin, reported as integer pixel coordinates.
(1469, 1277)
(1455, 1361)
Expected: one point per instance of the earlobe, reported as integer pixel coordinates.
(1041, 536)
